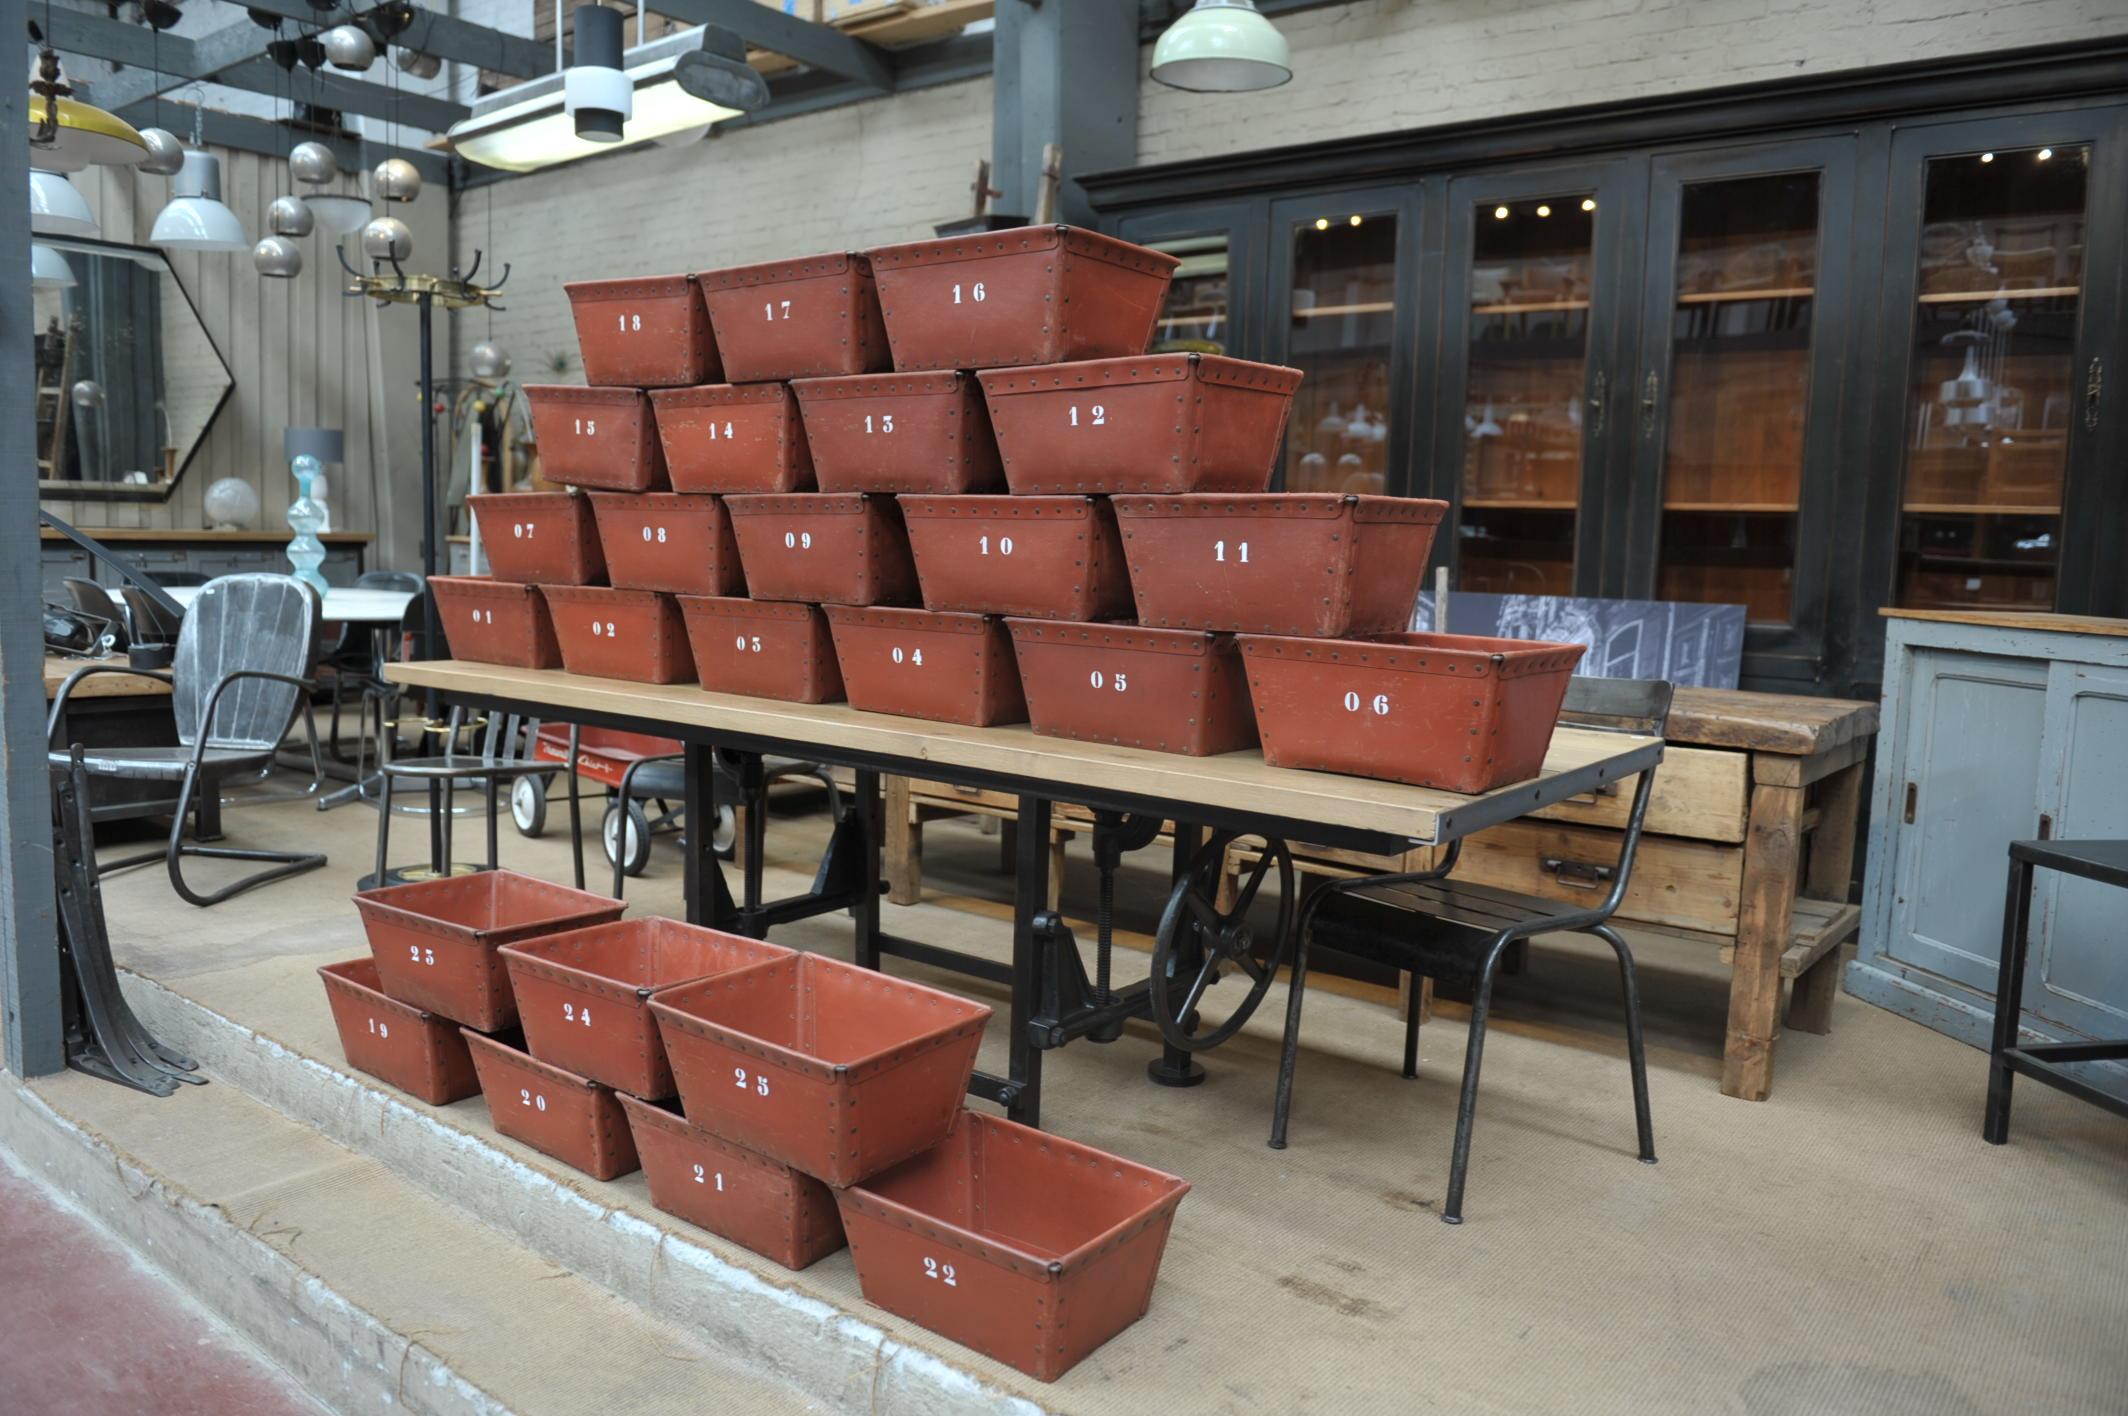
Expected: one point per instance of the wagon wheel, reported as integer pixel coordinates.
(1198, 943)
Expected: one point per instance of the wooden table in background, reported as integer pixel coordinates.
(116, 710)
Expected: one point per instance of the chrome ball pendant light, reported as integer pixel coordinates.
(165, 153)
(489, 361)
(349, 47)
(396, 180)
(414, 62)
(290, 216)
(313, 163)
(277, 258)
(387, 239)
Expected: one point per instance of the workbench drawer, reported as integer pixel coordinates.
(1700, 793)
(1683, 884)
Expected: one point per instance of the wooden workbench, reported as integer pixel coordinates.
(99, 685)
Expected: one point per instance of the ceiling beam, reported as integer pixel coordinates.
(99, 37)
(327, 89)
(816, 46)
(441, 35)
(197, 60)
(232, 130)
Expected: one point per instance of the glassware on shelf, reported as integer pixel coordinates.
(1741, 328)
(1530, 281)
(1195, 319)
(306, 518)
(1992, 377)
(1342, 307)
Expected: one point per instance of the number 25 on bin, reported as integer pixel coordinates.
(1378, 705)
(759, 1084)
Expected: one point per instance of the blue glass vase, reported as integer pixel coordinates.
(305, 517)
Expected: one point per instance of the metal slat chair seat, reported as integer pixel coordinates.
(165, 764)
(1428, 925)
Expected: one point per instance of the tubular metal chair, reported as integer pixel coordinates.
(239, 678)
(91, 599)
(1429, 926)
(494, 762)
(148, 622)
(354, 660)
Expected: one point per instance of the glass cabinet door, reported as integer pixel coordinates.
(1524, 338)
(1351, 297)
(1994, 386)
(1213, 305)
(1742, 333)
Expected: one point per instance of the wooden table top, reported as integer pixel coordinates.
(1793, 725)
(99, 685)
(1237, 782)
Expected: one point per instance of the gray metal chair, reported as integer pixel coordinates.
(89, 598)
(243, 656)
(1427, 925)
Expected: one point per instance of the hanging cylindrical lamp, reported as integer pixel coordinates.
(1222, 46)
(596, 92)
(196, 219)
(57, 207)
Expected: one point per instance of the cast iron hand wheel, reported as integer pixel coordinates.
(1198, 942)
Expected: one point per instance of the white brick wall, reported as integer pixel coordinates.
(862, 175)
(1382, 65)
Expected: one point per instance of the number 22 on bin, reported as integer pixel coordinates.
(944, 1272)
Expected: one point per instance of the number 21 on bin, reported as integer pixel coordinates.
(1378, 705)
(759, 1084)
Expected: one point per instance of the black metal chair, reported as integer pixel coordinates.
(240, 676)
(355, 662)
(148, 622)
(89, 598)
(1427, 925)
(501, 755)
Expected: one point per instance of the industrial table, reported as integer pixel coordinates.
(1232, 793)
(117, 710)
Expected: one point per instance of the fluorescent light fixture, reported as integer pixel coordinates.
(48, 269)
(1222, 46)
(528, 126)
(57, 207)
(195, 219)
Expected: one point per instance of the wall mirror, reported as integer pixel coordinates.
(128, 381)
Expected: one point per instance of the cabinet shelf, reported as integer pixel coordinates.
(1529, 307)
(1368, 307)
(1745, 508)
(1518, 504)
(1977, 509)
(1722, 297)
(1981, 297)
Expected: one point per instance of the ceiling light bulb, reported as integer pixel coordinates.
(1355, 218)
(1222, 46)
(1544, 210)
(1500, 213)
(1987, 157)
(1588, 204)
(2045, 153)
(1322, 223)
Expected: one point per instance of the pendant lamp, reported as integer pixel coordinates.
(57, 207)
(48, 269)
(196, 219)
(1222, 46)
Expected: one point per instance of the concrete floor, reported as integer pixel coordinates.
(1850, 1245)
(91, 1331)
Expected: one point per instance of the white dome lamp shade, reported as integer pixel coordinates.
(195, 219)
(1222, 46)
(57, 207)
(597, 94)
(49, 270)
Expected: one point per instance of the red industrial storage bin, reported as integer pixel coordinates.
(622, 634)
(953, 668)
(807, 318)
(571, 1118)
(583, 998)
(1029, 1248)
(1156, 423)
(495, 622)
(1316, 563)
(668, 541)
(1453, 711)
(1043, 557)
(760, 1204)
(763, 649)
(1171, 690)
(899, 433)
(644, 332)
(837, 1070)
(540, 538)
(597, 437)
(733, 438)
(435, 941)
(1029, 295)
(415, 1051)
(824, 548)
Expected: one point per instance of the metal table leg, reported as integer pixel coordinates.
(2009, 1000)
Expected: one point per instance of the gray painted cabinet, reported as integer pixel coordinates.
(209, 557)
(1996, 727)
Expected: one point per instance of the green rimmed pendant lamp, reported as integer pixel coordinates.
(1222, 46)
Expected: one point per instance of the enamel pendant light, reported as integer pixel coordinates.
(57, 207)
(196, 219)
(66, 134)
(1222, 46)
(48, 269)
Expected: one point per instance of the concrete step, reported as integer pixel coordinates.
(373, 1293)
(809, 1334)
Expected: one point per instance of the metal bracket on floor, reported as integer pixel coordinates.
(103, 1037)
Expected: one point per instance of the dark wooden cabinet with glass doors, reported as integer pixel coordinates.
(1815, 374)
